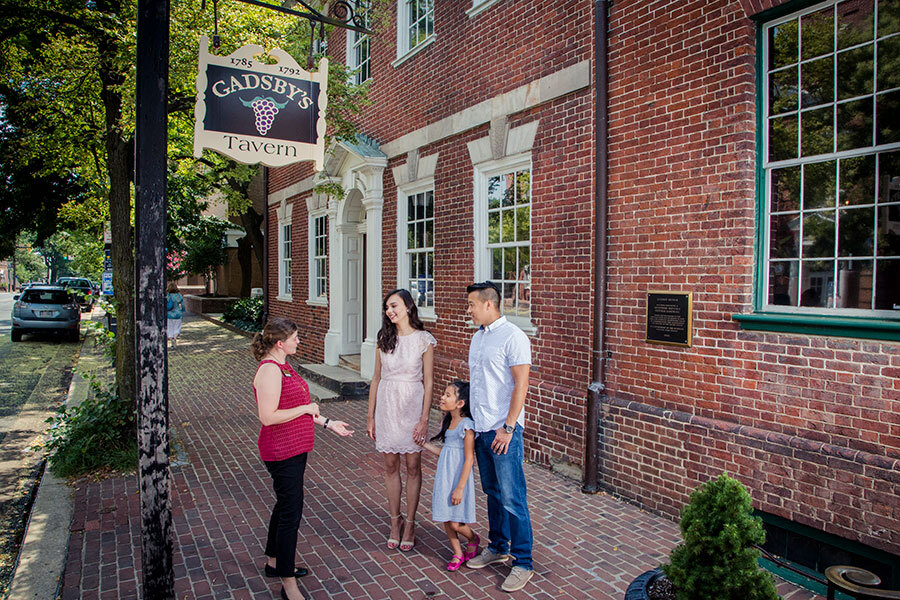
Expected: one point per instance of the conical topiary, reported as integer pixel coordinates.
(717, 560)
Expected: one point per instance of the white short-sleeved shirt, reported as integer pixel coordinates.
(493, 350)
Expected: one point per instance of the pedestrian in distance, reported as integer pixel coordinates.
(453, 498)
(399, 402)
(499, 364)
(286, 436)
(174, 312)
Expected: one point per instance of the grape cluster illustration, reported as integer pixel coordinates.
(264, 109)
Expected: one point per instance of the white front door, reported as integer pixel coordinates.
(352, 301)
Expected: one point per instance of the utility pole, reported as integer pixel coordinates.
(149, 282)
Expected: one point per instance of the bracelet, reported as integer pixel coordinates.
(325, 424)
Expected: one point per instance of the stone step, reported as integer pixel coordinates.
(349, 361)
(341, 381)
(321, 394)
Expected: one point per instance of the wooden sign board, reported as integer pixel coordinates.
(254, 112)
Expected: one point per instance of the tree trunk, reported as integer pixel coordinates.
(245, 259)
(250, 220)
(120, 166)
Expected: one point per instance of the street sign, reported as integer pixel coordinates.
(106, 287)
(256, 112)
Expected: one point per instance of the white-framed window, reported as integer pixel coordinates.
(415, 26)
(415, 244)
(503, 233)
(358, 53)
(830, 205)
(284, 260)
(318, 258)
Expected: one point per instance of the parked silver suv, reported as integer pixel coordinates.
(46, 308)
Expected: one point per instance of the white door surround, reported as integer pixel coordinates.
(360, 170)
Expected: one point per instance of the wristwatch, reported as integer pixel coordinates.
(509, 428)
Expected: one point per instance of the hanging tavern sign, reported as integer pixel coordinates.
(255, 112)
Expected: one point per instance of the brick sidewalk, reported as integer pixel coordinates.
(585, 546)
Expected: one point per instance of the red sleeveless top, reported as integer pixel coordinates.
(284, 440)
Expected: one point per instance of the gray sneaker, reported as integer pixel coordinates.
(516, 579)
(486, 558)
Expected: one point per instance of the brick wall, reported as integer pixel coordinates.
(473, 60)
(810, 424)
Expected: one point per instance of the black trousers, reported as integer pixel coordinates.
(287, 481)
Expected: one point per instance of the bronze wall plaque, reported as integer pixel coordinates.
(669, 318)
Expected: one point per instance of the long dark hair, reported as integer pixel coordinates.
(387, 335)
(462, 390)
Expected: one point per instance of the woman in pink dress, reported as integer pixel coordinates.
(399, 400)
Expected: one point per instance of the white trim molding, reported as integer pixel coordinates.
(479, 6)
(529, 95)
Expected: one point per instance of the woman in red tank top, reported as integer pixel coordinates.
(287, 433)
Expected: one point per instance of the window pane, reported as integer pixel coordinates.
(523, 224)
(420, 206)
(889, 230)
(888, 16)
(783, 91)
(413, 266)
(818, 81)
(524, 263)
(784, 236)
(819, 184)
(509, 264)
(509, 189)
(495, 192)
(411, 208)
(817, 283)
(411, 236)
(854, 72)
(887, 284)
(783, 45)
(429, 233)
(429, 205)
(888, 57)
(818, 234)
(856, 19)
(854, 285)
(854, 122)
(818, 131)
(523, 187)
(497, 264)
(818, 33)
(858, 180)
(785, 193)
(888, 117)
(784, 278)
(420, 235)
(783, 138)
(509, 226)
(889, 177)
(856, 227)
(494, 227)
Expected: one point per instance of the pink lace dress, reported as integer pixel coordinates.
(398, 401)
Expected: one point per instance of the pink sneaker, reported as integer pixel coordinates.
(455, 563)
(469, 554)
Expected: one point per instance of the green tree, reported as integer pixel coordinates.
(717, 560)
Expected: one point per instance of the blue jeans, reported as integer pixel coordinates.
(503, 480)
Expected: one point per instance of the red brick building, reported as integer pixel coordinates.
(754, 161)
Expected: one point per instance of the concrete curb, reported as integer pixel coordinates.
(45, 546)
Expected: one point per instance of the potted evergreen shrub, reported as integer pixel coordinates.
(717, 559)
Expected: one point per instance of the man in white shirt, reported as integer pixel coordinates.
(499, 362)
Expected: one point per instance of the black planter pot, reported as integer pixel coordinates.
(638, 590)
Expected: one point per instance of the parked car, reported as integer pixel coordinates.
(46, 308)
(83, 289)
